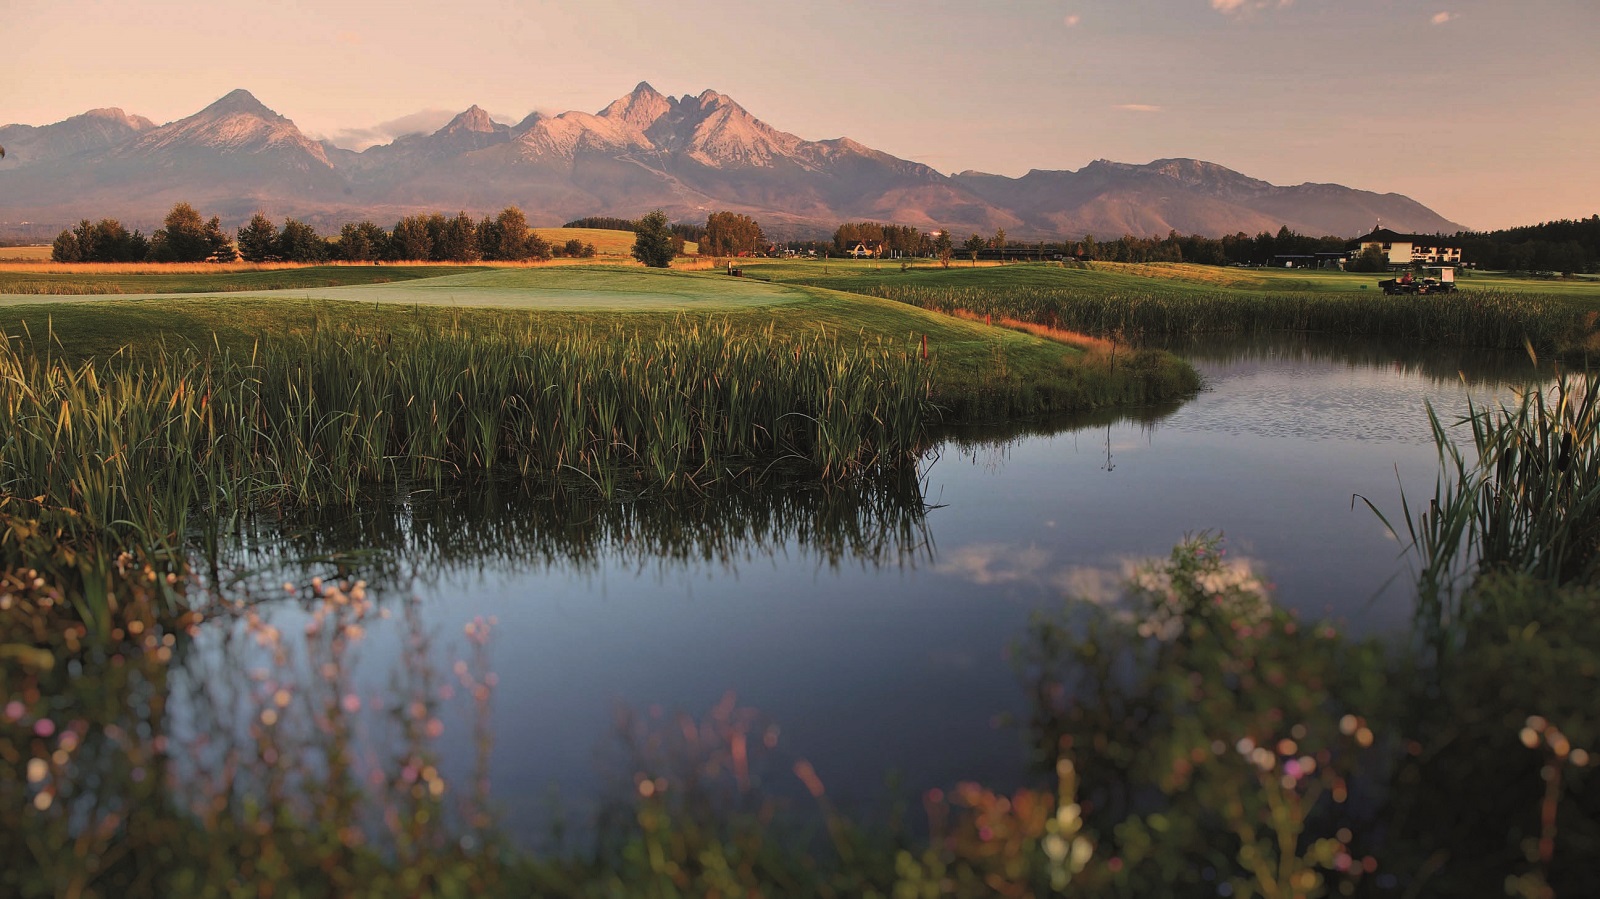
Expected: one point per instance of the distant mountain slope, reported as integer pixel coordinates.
(689, 155)
(96, 129)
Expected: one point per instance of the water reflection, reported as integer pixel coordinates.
(872, 623)
(415, 541)
(1438, 365)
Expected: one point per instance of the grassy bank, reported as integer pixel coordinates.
(978, 372)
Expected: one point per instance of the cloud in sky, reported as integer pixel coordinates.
(1137, 107)
(1439, 18)
(1229, 7)
(426, 121)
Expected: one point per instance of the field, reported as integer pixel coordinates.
(24, 254)
(607, 242)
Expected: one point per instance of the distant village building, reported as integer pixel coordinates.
(1310, 260)
(1409, 249)
(863, 250)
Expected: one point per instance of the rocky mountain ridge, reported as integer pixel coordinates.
(690, 155)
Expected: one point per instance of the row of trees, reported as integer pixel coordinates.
(1567, 245)
(183, 237)
(417, 238)
(1563, 246)
(424, 238)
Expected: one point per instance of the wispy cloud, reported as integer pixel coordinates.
(1137, 107)
(426, 121)
(1231, 7)
(1073, 20)
(1439, 18)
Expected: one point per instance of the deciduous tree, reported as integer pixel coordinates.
(973, 244)
(652, 244)
(731, 234)
(183, 237)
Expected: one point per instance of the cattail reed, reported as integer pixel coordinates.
(134, 446)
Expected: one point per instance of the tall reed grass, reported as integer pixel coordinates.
(1522, 499)
(1479, 318)
(134, 446)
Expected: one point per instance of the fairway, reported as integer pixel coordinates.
(587, 287)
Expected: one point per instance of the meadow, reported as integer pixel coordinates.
(1143, 303)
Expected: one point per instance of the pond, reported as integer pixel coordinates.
(870, 630)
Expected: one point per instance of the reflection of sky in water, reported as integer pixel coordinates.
(869, 669)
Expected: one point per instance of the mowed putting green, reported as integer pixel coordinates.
(589, 287)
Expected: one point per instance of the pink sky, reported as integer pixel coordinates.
(1486, 111)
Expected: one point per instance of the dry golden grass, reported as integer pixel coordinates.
(1179, 271)
(1059, 335)
(24, 254)
(146, 268)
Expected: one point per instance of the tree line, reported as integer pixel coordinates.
(1568, 246)
(684, 230)
(186, 237)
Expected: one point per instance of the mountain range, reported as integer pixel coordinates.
(689, 155)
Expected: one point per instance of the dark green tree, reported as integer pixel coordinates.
(258, 241)
(361, 242)
(65, 248)
(182, 238)
(973, 244)
(299, 242)
(1371, 259)
(652, 244)
(573, 247)
(410, 240)
(219, 248)
(507, 238)
(487, 237)
(454, 240)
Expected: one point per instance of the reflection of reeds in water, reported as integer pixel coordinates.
(398, 539)
(1439, 364)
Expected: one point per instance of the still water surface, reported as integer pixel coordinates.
(872, 631)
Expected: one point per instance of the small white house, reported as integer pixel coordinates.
(1409, 249)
